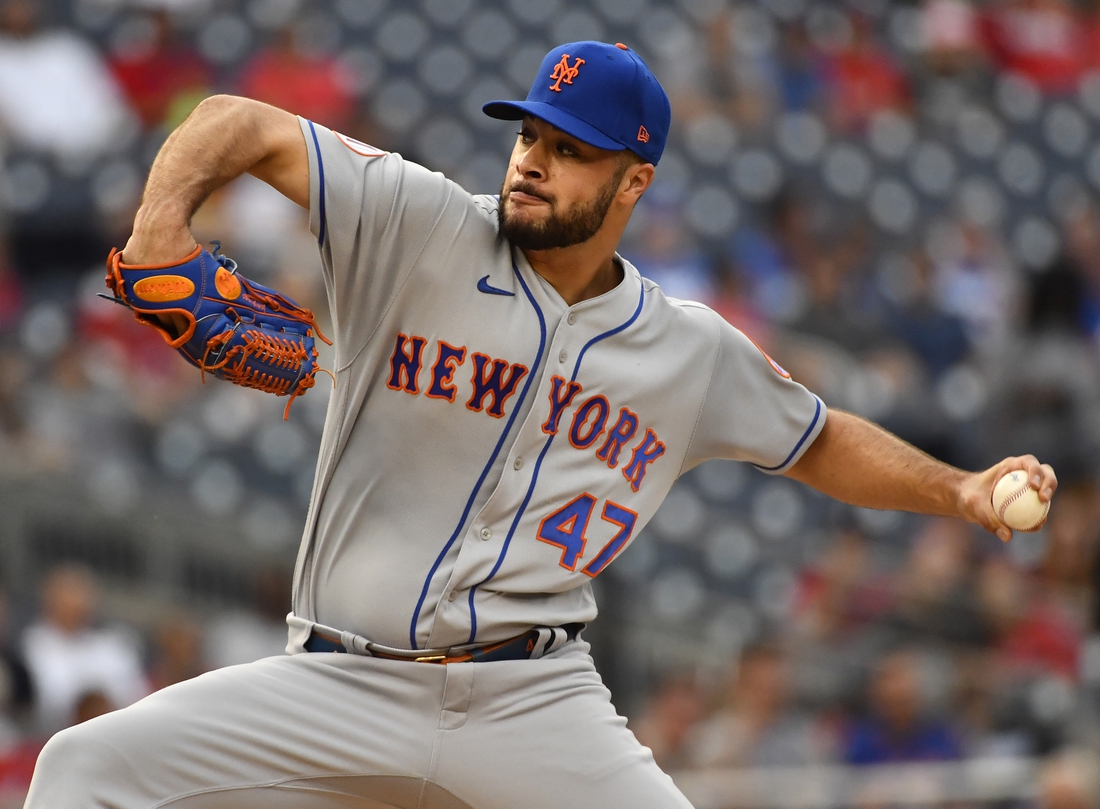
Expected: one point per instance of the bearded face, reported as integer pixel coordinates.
(560, 226)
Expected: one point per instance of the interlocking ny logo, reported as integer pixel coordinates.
(564, 73)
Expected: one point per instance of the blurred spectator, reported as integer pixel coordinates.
(730, 301)
(840, 594)
(976, 282)
(756, 726)
(1032, 634)
(14, 369)
(12, 293)
(162, 75)
(897, 727)
(1061, 302)
(290, 76)
(56, 93)
(16, 689)
(666, 720)
(665, 254)
(1067, 295)
(938, 337)
(1072, 537)
(841, 597)
(13, 363)
(1048, 383)
(177, 652)
(833, 313)
(988, 707)
(953, 36)
(863, 78)
(1042, 40)
(752, 74)
(68, 656)
(801, 82)
(770, 257)
(935, 600)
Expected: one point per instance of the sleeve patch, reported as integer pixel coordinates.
(360, 148)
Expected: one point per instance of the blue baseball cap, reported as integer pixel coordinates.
(601, 94)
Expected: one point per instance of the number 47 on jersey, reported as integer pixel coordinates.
(566, 527)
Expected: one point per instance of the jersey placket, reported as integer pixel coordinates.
(494, 531)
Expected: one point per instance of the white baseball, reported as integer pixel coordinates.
(1017, 504)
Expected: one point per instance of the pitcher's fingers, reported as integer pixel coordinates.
(990, 523)
(1049, 483)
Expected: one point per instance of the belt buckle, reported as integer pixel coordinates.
(430, 659)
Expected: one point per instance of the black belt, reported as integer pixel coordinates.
(518, 648)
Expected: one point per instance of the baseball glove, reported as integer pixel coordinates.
(229, 326)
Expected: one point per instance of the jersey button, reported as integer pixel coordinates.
(452, 596)
(572, 318)
(518, 464)
(562, 356)
(486, 534)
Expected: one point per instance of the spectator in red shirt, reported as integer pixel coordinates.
(840, 594)
(163, 77)
(310, 85)
(1043, 40)
(1032, 633)
(862, 79)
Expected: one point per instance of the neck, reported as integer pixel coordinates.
(579, 272)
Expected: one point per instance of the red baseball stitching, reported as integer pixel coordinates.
(1012, 498)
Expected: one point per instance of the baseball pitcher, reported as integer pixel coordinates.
(513, 401)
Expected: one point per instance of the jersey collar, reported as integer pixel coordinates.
(613, 306)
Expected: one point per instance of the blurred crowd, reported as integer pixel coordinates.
(899, 200)
(957, 652)
(64, 660)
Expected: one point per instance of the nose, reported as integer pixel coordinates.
(531, 163)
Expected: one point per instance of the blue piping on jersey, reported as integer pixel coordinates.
(321, 191)
(538, 465)
(801, 441)
(492, 459)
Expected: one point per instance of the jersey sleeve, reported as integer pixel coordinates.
(372, 213)
(753, 411)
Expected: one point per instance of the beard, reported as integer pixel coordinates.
(560, 228)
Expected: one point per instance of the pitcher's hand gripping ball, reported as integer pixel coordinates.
(236, 330)
(1017, 504)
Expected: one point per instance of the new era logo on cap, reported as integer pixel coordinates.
(602, 94)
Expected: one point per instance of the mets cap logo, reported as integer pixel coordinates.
(563, 72)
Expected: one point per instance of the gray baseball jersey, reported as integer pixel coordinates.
(489, 449)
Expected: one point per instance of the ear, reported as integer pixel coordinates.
(636, 180)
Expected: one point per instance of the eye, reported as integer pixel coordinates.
(526, 135)
(567, 150)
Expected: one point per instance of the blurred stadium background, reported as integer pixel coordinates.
(898, 199)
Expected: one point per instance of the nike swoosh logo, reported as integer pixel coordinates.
(483, 286)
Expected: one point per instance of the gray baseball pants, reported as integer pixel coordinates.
(337, 731)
